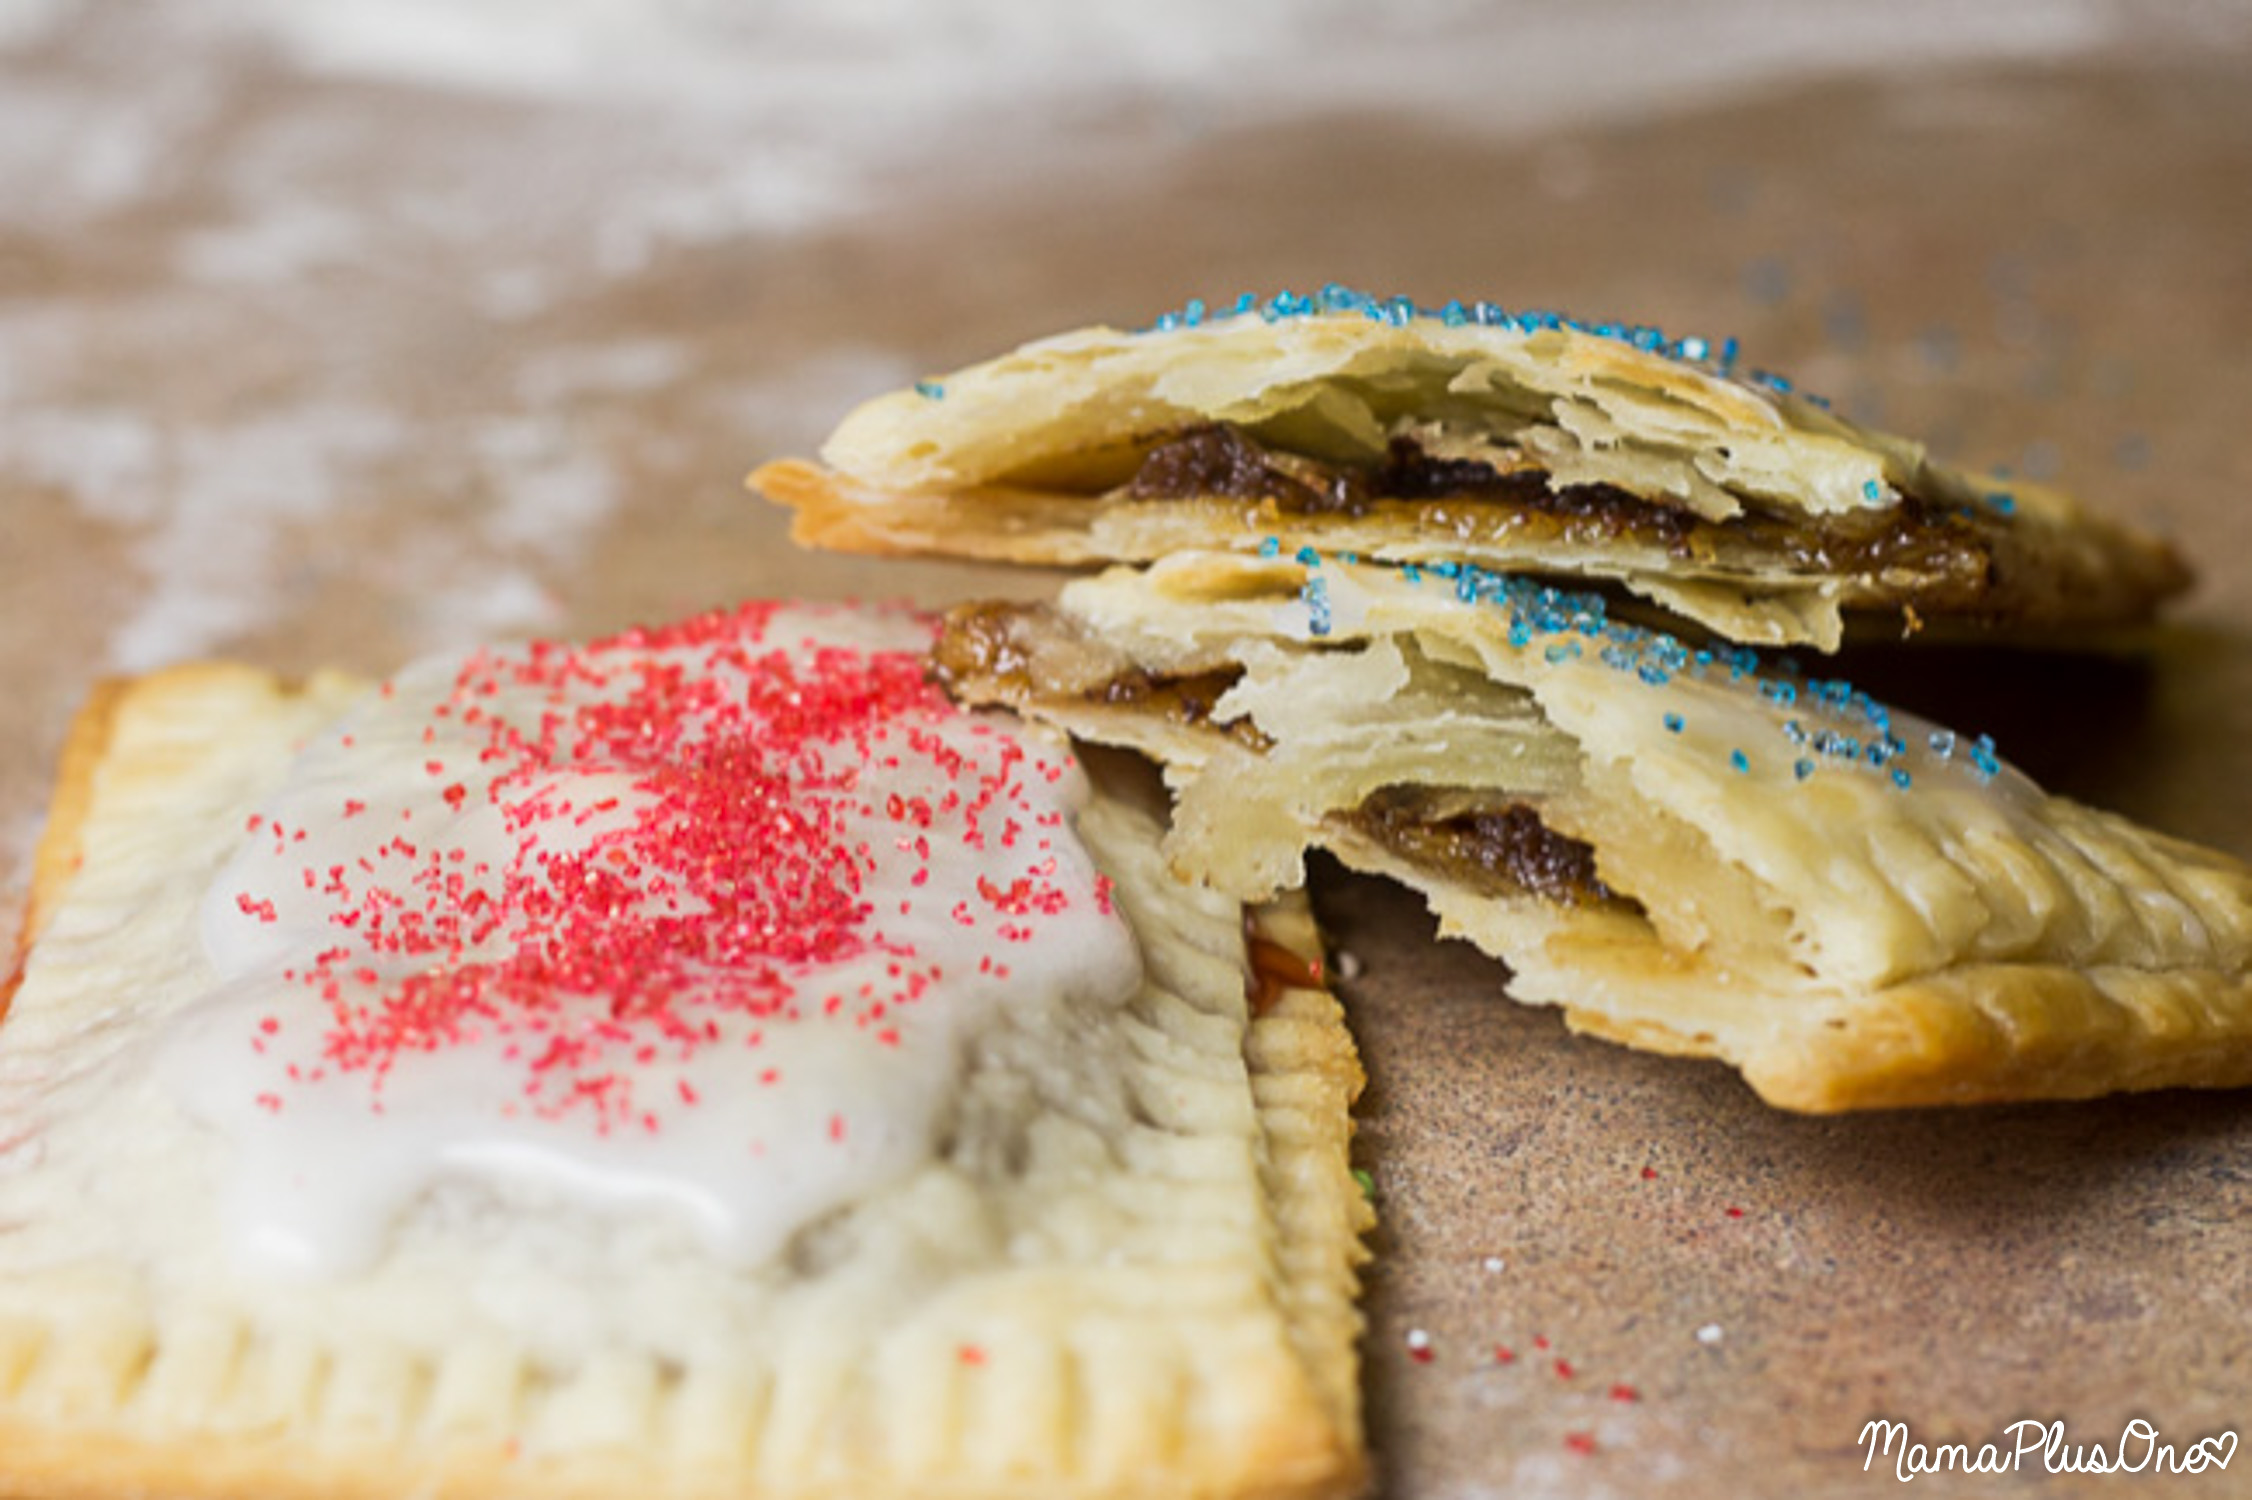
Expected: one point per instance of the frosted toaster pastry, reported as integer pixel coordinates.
(1517, 442)
(1689, 850)
(704, 1062)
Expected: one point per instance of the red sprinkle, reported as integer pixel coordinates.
(1564, 1369)
(1624, 1392)
(630, 927)
(1580, 1442)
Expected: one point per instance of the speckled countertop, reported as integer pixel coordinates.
(341, 341)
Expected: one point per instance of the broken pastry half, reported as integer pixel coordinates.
(1517, 442)
(703, 1062)
(1690, 850)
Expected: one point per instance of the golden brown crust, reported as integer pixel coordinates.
(1923, 928)
(56, 858)
(2026, 578)
(1227, 1371)
(1761, 516)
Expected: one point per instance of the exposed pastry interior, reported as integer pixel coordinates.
(1515, 442)
(1690, 849)
(700, 1062)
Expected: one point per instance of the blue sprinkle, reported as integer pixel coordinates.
(1336, 299)
(2003, 503)
(930, 390)
(1653, 675)
(1900, 778)
(1943, 741)
(1674, 722)
(1520, 634)
(1309, 557)
(1739, 760)
(1316, 595)
(1803, 769)
(1412, 573)
(1871, 491)
(1348, 557)
(1271, 547)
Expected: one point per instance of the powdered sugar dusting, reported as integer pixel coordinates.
(511, 160)
(884, 60)
(645, 364)
(211, 555)
(781, 117)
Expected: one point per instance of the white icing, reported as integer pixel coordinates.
(757, 1126)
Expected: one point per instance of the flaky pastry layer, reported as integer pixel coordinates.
(1153, 1300)
(1687, 850)
(1524, 448)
